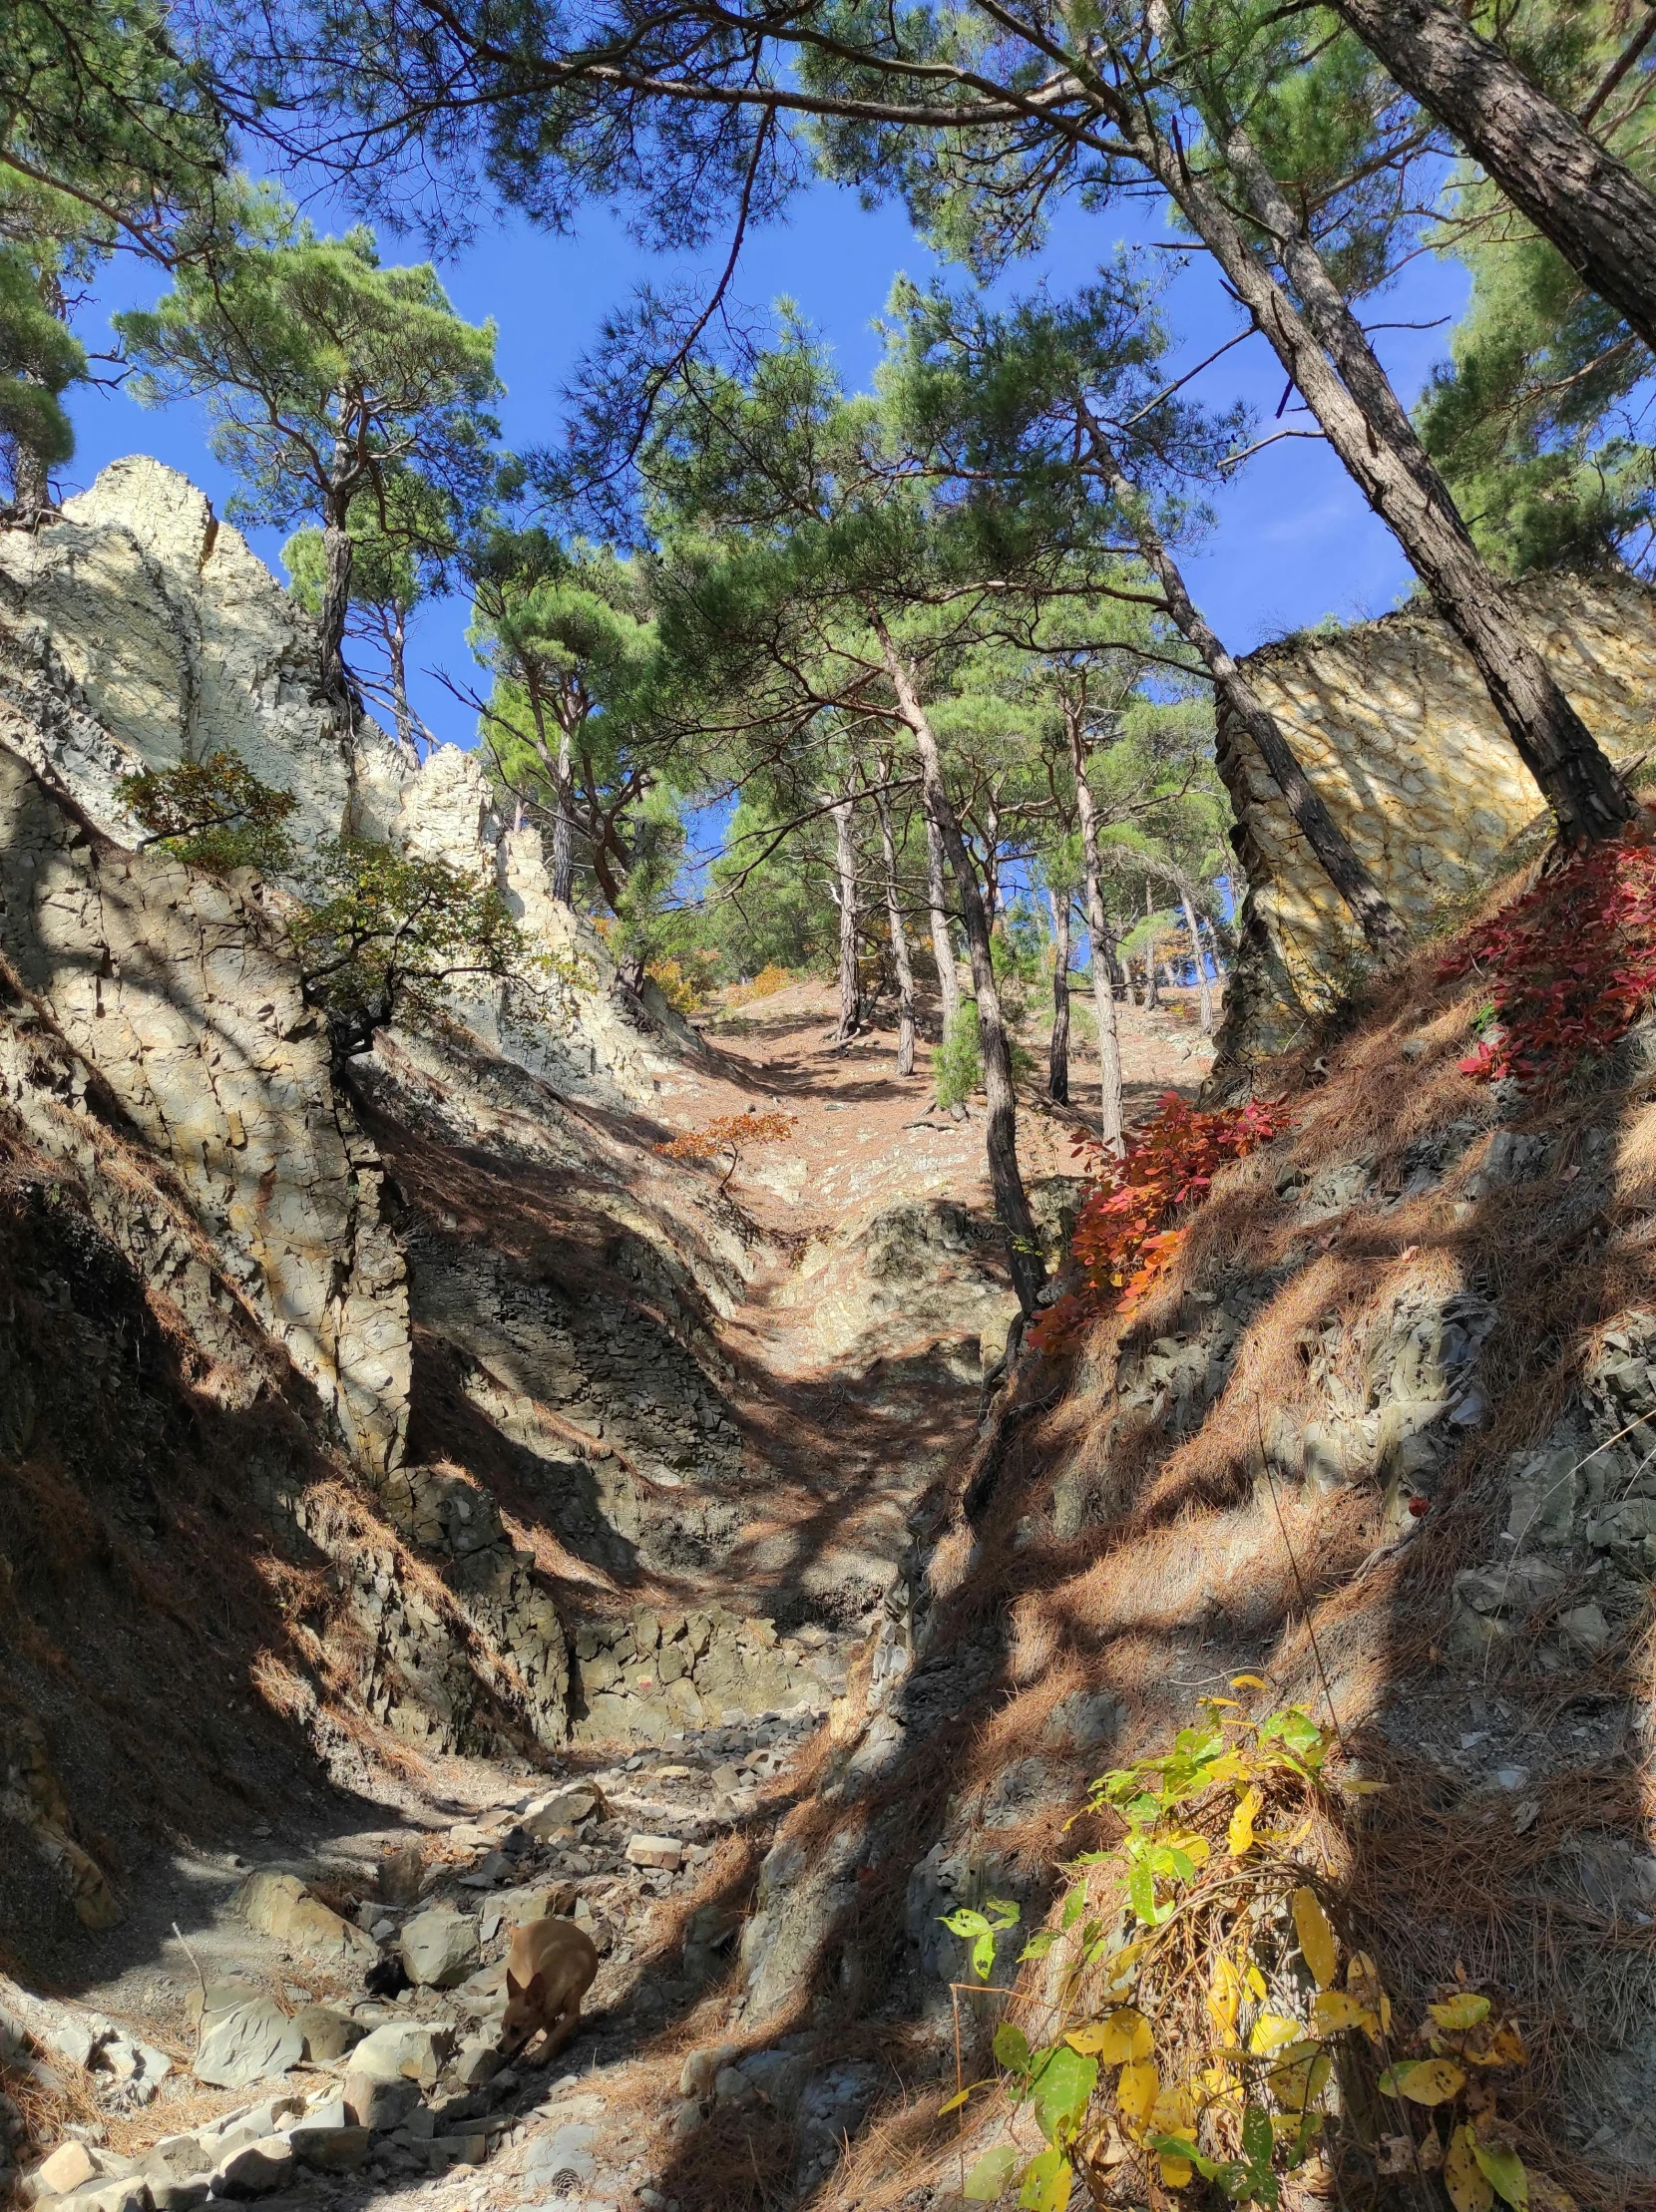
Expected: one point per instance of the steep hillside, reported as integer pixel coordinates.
(424, 1500)
(373, 1445)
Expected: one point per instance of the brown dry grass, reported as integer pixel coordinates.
(1200, 1562)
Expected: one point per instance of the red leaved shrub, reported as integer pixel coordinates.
(1571, 964)
(1129, 1227)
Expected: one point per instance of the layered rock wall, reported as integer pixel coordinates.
(139, 631)
(1395, 730)
(169, 986)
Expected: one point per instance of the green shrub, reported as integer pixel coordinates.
(382, 931)
(377, 932)
(214, 813)
(958, 1064)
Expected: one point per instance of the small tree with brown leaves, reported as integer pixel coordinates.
(731, 1135)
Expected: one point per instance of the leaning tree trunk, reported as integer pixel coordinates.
(337, 554)
(943, 943)
(845, 872)
(1325, 352)
(899, 941)
(1111, 1130)
(1012, 1203)
(563, 823)
(1057, 1055)
(1595, 210)
(1369, 907)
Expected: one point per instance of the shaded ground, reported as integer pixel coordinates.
(851, 1340)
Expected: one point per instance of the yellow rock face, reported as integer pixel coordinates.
(1395, 728)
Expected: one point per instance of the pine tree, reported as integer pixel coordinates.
(324, 376)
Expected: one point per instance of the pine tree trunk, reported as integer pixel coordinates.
(1325, 352)
(396, 640)
(31, 491)
(844, 871)
(337, 553)
(1204, 996)
(562, 824)
(1152, 991)
(899, 941)
(1058, 1056)
(1369, 907)
(1012, 1203)
(1112, 1133)
(943, 943)
(1595, 210)
(1120, 977)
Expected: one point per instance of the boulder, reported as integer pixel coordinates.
(1586, 1627)
(246, 2127)
(494, 1867)
(129, 2193)
(702, 2067)
(380, 2107)
(1545, 1497)
(252, 2042)
(279, 1906)
(468, 2150)
(439, 1948)
(328, 2034)
(175, 2158)
(779, 2076)
(179, 2192)
(409, 2050)
(479, 2062)
(66, 2168)
(329, 2140)
(565, 1808)
(256, 2169)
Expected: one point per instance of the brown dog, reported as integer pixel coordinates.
(549, 1969)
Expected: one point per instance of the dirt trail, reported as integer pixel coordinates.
(878, 1295)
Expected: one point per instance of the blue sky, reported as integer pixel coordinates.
(1293, 539)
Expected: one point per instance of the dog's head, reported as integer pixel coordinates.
(525, 2012)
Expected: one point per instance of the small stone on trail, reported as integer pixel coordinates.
(702, 2067)
(66, 2168)
(658, 1851)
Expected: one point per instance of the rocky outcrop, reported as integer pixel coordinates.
(1396, 732)
(662, 1670)
(173, 988)
(138, 631)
